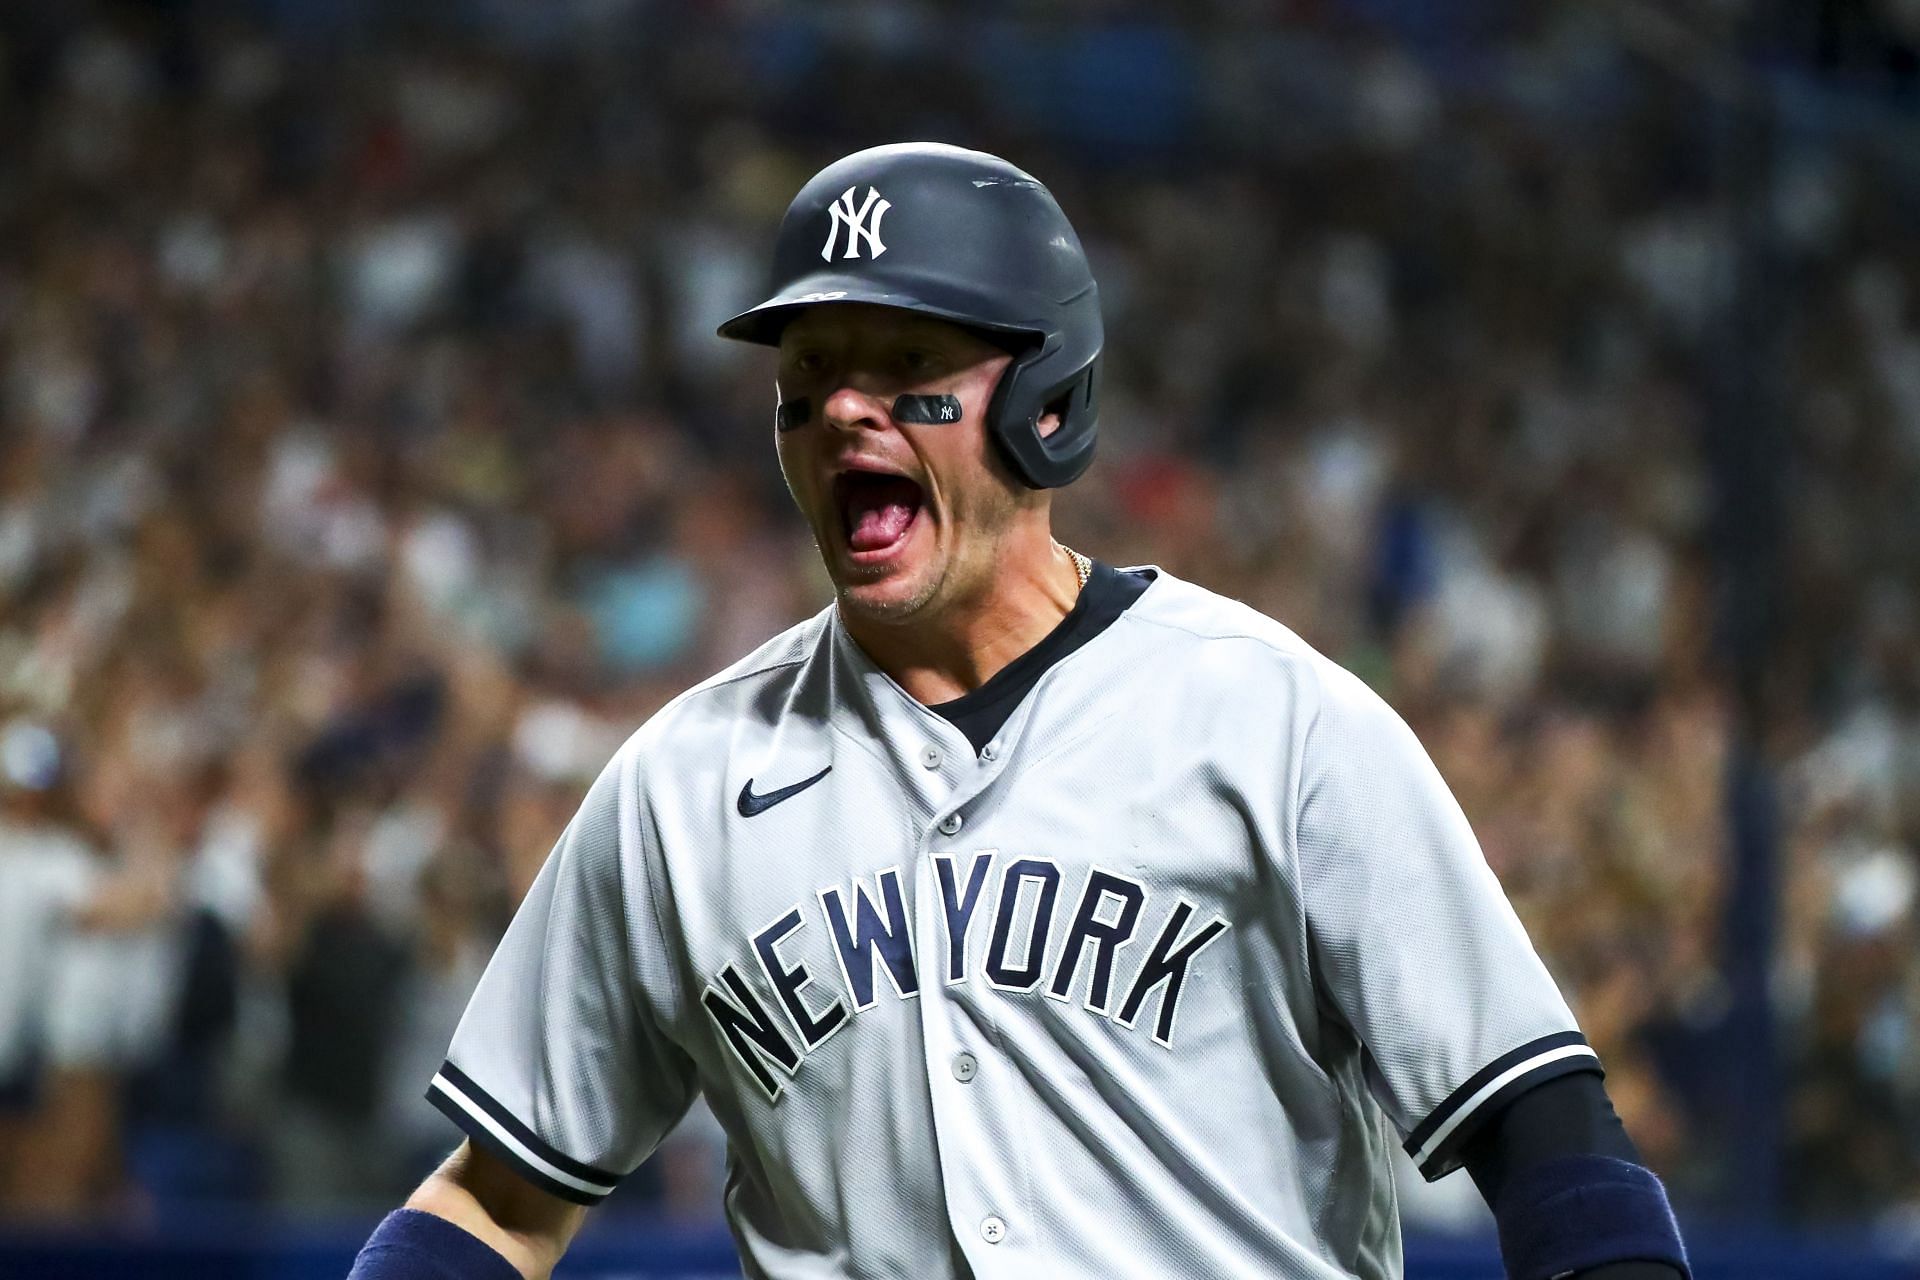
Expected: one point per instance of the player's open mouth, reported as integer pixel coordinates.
(877, 513)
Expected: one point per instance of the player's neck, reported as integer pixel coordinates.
(944, 655)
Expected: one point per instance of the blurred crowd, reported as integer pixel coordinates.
(368, 470)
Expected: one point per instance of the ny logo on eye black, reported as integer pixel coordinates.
(751, 804)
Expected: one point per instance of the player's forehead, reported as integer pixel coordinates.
(868, 323)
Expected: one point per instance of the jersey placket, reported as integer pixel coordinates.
(984, 1179)
(969, 1081)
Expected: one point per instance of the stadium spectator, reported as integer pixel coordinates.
(78, 933)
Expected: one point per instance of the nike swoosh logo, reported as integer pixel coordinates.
(751, 804)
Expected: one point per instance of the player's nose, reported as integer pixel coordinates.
(851, 408)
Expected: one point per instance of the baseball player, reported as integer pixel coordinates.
(1017, 915)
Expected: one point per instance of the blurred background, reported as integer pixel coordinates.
(368, 470)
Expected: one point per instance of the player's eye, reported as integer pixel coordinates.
(919, 362)
(807, 360)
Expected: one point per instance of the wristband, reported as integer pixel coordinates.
(1567, 1216)
(411, 1245)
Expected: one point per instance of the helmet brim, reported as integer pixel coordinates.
(763, 324)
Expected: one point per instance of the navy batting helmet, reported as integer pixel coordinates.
(966, 237)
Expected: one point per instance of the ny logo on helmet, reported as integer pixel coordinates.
(858, 225)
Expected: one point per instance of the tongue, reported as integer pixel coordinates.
(881, 512)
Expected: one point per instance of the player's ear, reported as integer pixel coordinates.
(1048, 424)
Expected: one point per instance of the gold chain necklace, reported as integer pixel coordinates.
(1081, 565)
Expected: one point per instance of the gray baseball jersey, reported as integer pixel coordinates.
(1138, 989)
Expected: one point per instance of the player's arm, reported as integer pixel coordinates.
(562, 1072)
(1560, 1173)
(474, 1218)
(1473, 1051)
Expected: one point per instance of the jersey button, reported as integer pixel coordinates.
(951, 824)
(965, 1067)
(993, 1230)
(989, 752)
(930, 757)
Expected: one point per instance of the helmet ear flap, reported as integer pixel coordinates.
(1024, 397)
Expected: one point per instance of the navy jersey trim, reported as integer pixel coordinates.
(1108, 593)
(484, 1120)
(1435, 1142)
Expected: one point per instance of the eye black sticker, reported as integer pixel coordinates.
(789, 414)
(933, 410)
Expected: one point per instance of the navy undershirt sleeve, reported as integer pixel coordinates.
(1567, 1116)
(1570, 1115)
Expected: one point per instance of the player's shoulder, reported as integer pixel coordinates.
(1196, 624)
(1230, 658)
